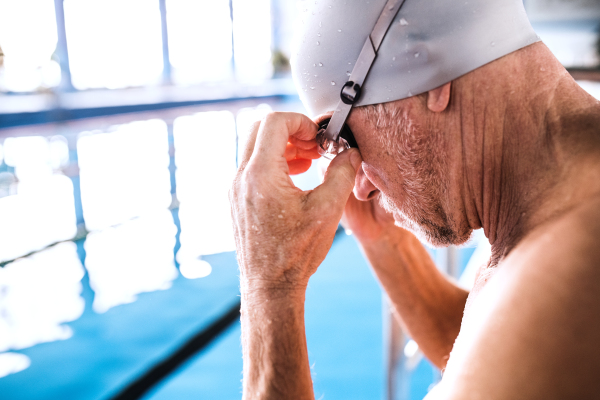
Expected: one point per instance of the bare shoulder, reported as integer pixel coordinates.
(534, 329)
(573, 238)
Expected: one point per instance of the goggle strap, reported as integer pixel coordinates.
(351, 90)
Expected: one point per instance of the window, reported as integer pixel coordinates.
(28, 39)
(114, 43)
(199, 40)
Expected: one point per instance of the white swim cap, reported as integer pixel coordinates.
(429, 43)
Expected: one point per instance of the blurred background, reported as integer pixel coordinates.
(120, 126)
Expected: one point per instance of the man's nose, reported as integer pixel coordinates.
(364, 190)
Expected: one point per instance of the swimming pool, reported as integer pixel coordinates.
(117, 251)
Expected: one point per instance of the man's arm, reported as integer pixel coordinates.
(274, 345)
(428, 305)
(282, 235)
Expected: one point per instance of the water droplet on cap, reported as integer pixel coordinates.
(332, 83)
(339, 30)
(318, 34)
(393, 58)
(320, 64)
(417, 55)
(318, 43)
(312, 88)
(348, 73)
(403, 22)
(493, 44)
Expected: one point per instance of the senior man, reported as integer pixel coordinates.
(462, 120)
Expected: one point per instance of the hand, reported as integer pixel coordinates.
(366, 219)
(282, 233)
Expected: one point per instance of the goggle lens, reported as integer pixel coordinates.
(330, 148)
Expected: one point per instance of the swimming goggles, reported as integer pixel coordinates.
(334, 136)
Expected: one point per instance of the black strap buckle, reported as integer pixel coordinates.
(350, 92)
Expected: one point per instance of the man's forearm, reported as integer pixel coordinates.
(428, 305)
(274, 345)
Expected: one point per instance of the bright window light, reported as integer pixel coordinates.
(28, 38)
(114, 43)
(199, 40)
(572, 47)
(252, 39)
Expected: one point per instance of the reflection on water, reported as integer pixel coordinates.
(124, 173)
(132, 258)
(36, 203)
(11, 363)
(38, 294)
(205, 159)
(195, 269)
(124, 184)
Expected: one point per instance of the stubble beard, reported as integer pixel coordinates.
(417, 205)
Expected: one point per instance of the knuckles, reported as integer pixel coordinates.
(273, 117)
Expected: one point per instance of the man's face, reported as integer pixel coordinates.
(406, 160)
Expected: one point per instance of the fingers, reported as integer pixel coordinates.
(332, 194)
(275, 132)
(293, 152)
(303, 144)
(249, 148)
(299, 166)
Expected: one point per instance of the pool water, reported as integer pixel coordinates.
(116, 248)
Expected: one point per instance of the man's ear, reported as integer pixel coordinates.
(439, 98)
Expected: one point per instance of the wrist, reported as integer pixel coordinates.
(261, 291)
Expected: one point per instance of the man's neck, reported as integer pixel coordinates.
(532, 138)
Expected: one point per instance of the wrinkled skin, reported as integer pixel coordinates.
(272, 216)
(512, 147)
(282, 236)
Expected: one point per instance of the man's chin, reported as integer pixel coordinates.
(432, 235)
(418, 231)
(425, 230)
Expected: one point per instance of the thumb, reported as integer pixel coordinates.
(332, 194)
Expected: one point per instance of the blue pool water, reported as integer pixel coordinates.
(116, 249)
(151, 265)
